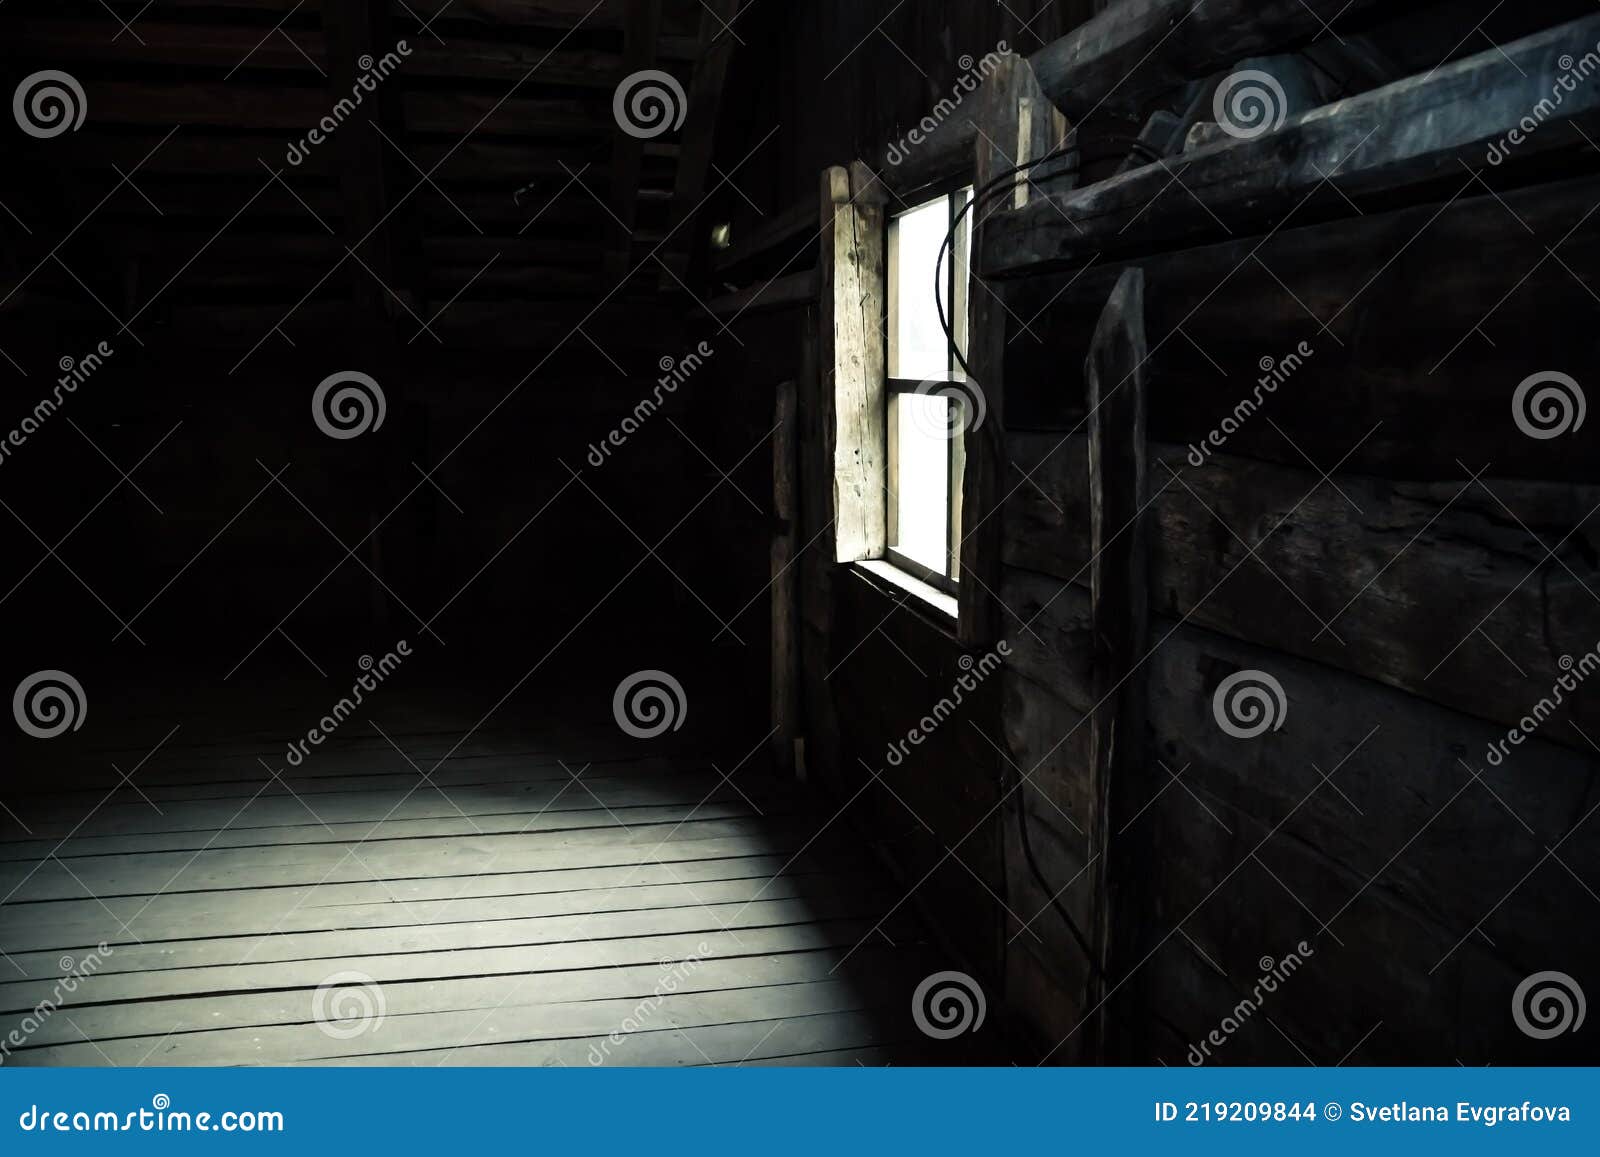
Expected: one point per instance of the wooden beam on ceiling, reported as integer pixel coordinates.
(253, 107)
(537, 13)
(227, 47)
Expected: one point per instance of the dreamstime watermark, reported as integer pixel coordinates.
(74, 373)
(648, 704)
(77, 971)
(48, 704)
(349, 1004)
(348, 405)
(650, 104)
(973, 74)
(1574, 73)
(48, 104)
(1576, 673)
(674, 373)
(1274, 373)
(1250, 104)
(646, 1009)
(976, 671)
(1249, 704)
(1549, 405)
(948, 1004)
(1548, 1004)
(376, 671)
(159, 1118)
(372, 73)
(1273, 974)
(966, 412)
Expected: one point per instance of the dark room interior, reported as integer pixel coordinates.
(799, 532)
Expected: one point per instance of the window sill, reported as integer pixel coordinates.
(945, 605)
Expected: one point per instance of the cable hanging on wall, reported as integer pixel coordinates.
(1002, 186)
(996, 189)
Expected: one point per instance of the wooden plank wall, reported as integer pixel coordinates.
(1403, 403)
(498, 251)
(1383, 541)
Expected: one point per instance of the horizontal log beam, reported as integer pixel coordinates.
(297, 111)
(451, 163)
(598, 15)
(784, 293)
(1433, 317)
(297, 51)
(1136, 49)
(1404, 139)
(1388, 581)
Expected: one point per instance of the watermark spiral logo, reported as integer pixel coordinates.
(650, 104)
(649, 704)
(348, 1004)
(348, 405)
(1548, 1004)
(49, 703)
(48, 104)
(948, 1004)
(1250, 104)
(1249, 704)
(967, 411)
(1549, 405)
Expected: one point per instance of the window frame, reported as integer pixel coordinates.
(956, 191)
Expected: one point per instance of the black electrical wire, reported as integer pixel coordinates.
(999, 187)
(1002, 186)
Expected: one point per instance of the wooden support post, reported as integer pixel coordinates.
(853, 353)
(1118, 575)
(1017, 124)
(786, 719)
(641, 33)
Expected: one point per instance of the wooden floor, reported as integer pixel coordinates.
(550, 895)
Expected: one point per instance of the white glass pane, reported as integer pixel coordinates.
(923, 351)
(923, 496)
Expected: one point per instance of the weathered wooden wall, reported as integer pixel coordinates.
(477, 298)
(1379, 538)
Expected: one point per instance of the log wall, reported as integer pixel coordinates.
(1376, 533)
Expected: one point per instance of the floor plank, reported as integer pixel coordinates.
(549, 893)
(158, 1019)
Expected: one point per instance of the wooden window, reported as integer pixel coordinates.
(925, 416)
